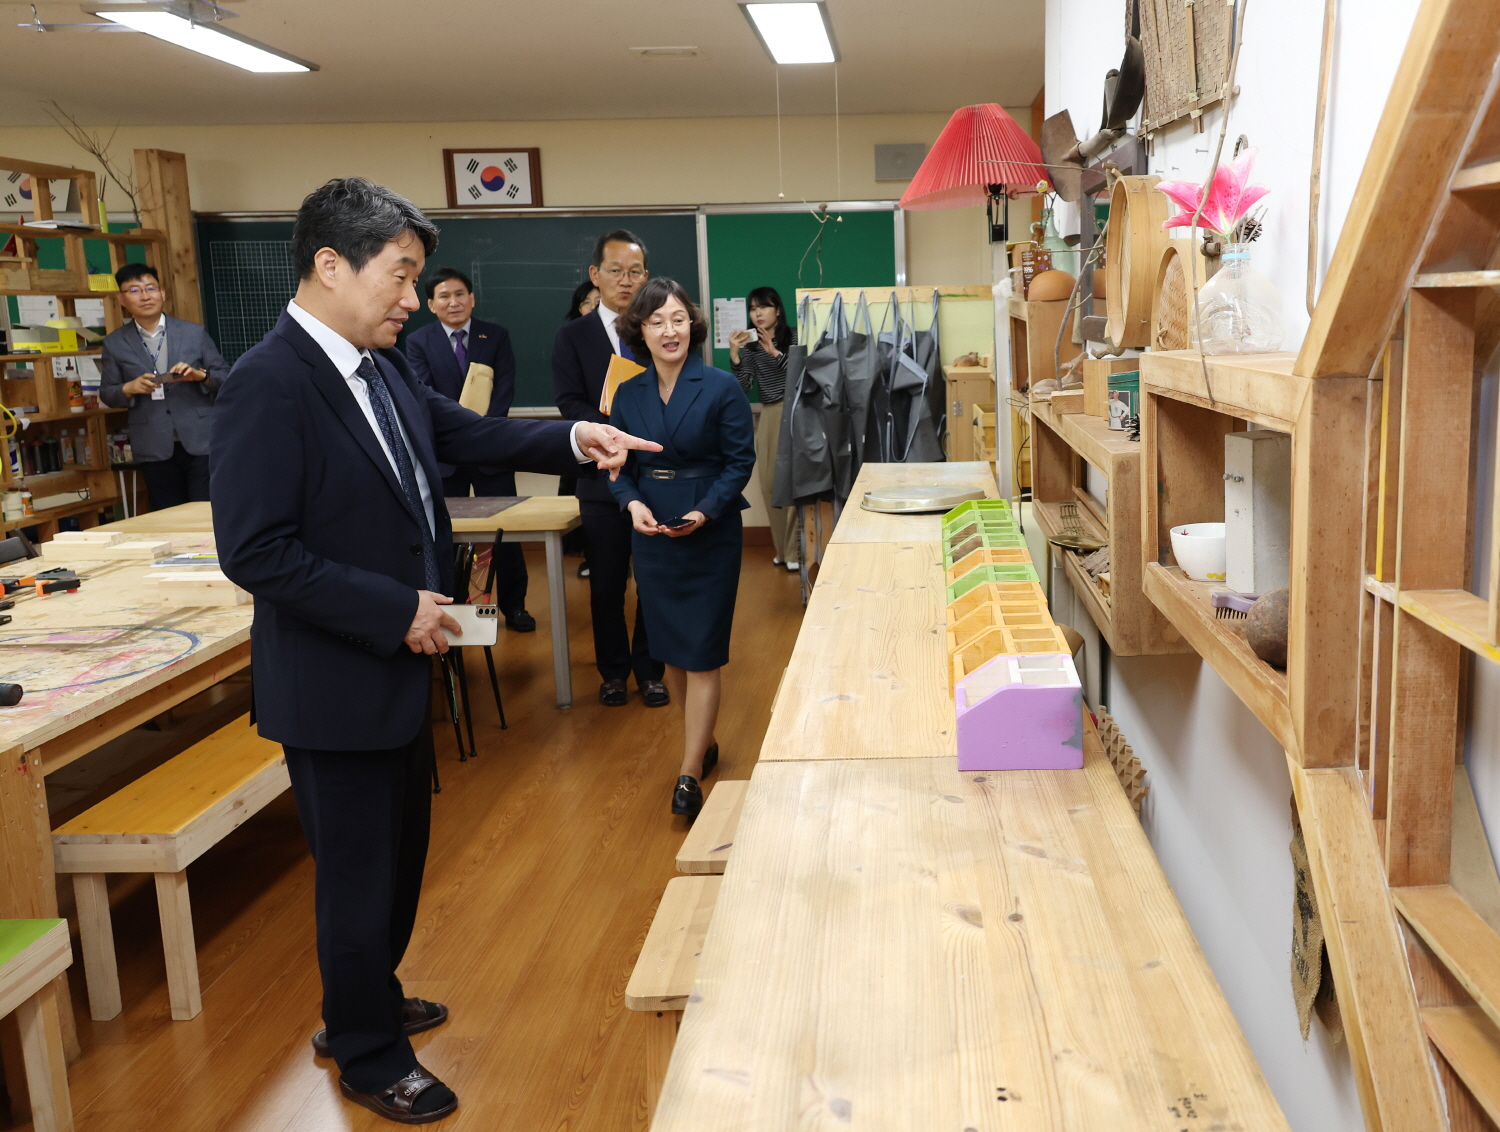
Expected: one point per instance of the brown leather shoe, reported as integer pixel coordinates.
(416, 1015)
(613, 693)
(396, 1102)
(655, 693)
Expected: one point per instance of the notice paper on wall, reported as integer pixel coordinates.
(35, 310)
(729, 316)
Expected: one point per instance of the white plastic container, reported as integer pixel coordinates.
(1199, 549)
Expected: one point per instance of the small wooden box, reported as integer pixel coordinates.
(1067, 401)
(1096, 373)
(143, 550)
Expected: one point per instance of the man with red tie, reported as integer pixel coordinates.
(440, 354)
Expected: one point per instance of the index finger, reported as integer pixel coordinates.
(450, 624)
(628, 441)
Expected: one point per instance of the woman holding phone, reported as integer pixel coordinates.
(684, 503)
(759, 355)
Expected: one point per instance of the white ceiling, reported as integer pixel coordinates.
(489, 60)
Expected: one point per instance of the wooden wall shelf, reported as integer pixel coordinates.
(1251, 387)
(1187, 604)
(1061, 443)
(1457, 614)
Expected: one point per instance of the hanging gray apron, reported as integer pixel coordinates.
(804, 442)
(860, 356)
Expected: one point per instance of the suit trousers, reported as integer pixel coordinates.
(366, 816)
(181, 478)
(617, 651)
(511, 579)
(783, 519)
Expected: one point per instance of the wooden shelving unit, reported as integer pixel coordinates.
(1061, 444)
(23, 275)
(1033, 345)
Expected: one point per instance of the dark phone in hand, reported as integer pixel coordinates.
(673, 524)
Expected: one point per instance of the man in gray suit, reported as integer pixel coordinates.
(166, 372)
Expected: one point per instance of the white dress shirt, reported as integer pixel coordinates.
(608, 317)
(346, 357)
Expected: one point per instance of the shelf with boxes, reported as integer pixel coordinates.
(1066, 441)
(1034, 357)
(1222, 434)
(1017, 696)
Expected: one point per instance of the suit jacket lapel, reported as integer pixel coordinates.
(689, 385)
(644, 387)
(335, 390)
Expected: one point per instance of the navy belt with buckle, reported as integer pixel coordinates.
(693, 472)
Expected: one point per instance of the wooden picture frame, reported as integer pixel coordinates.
(516, 181)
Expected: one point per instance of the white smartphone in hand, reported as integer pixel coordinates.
(480, 624)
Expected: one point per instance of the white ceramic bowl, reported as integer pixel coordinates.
(1199, 548)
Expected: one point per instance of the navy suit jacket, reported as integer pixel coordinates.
(429, 349)
(706, 424)
(580, 359)
(310, 518)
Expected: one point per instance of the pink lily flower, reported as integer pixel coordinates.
(1229, 199)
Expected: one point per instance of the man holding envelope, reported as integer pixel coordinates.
(471, 361)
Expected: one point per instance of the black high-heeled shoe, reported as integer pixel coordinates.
(687, 799)
(710, 760)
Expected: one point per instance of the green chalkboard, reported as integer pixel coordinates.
(784, 250)
(524, 270)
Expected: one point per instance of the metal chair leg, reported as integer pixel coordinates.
(463, 688)
(489, 659)
(448, 684)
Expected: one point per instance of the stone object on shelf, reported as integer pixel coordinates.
(1266, 627)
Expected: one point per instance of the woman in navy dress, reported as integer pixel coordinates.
(684, 503)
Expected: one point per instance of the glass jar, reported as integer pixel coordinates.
(1239, 309)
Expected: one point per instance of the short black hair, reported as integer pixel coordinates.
(619, 236)
(356, 218)
(652, 296)
(580, 292)
(133, 271)
(443, 275)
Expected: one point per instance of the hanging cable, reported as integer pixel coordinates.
(780, 166)
(839, 140)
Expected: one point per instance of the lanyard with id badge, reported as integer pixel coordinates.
(160, 392)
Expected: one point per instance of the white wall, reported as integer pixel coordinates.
(1219, 809)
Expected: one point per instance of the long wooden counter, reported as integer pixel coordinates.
(898, 946)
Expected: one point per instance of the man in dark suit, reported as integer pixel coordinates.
(440, 354)
(166, 371)
(325, 460)
(580, 359)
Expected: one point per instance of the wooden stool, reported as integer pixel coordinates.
(161, 823)
(706, 847)
(32, 954)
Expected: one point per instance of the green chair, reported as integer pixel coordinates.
(32, 954)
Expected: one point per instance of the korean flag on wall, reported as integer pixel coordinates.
(493, 179)
(16, 191)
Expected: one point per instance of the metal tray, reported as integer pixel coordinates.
(916, 498)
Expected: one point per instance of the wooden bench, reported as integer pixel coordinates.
(161, 823)
(706, 847)
(664, 973)
(32, 954)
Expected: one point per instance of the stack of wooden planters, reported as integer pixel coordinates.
(1016, 693)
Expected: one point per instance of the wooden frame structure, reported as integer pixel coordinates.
(166, 212)
(1380, 404)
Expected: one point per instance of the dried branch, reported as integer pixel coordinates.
(97, 146)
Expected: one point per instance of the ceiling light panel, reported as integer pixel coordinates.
(208, 39)
(793, 32)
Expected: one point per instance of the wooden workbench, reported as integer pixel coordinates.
(539, 518)
(899, 946)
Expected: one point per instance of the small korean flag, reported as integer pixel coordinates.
(492, 179)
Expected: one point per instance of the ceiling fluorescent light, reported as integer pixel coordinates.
(793, 32)
(211, 40)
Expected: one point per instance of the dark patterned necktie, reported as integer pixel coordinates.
(385, 417)
(460, 351)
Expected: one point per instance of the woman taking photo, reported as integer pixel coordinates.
(759, 355)
(684, 503)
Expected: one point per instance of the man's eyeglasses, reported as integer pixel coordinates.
(148, 289)
(635, 274)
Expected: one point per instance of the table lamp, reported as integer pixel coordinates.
(981, 157)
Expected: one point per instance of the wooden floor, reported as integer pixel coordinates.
(549, 854)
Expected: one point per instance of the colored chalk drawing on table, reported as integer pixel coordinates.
(35, 656)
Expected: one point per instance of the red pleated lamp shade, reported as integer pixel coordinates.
(980, 146)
